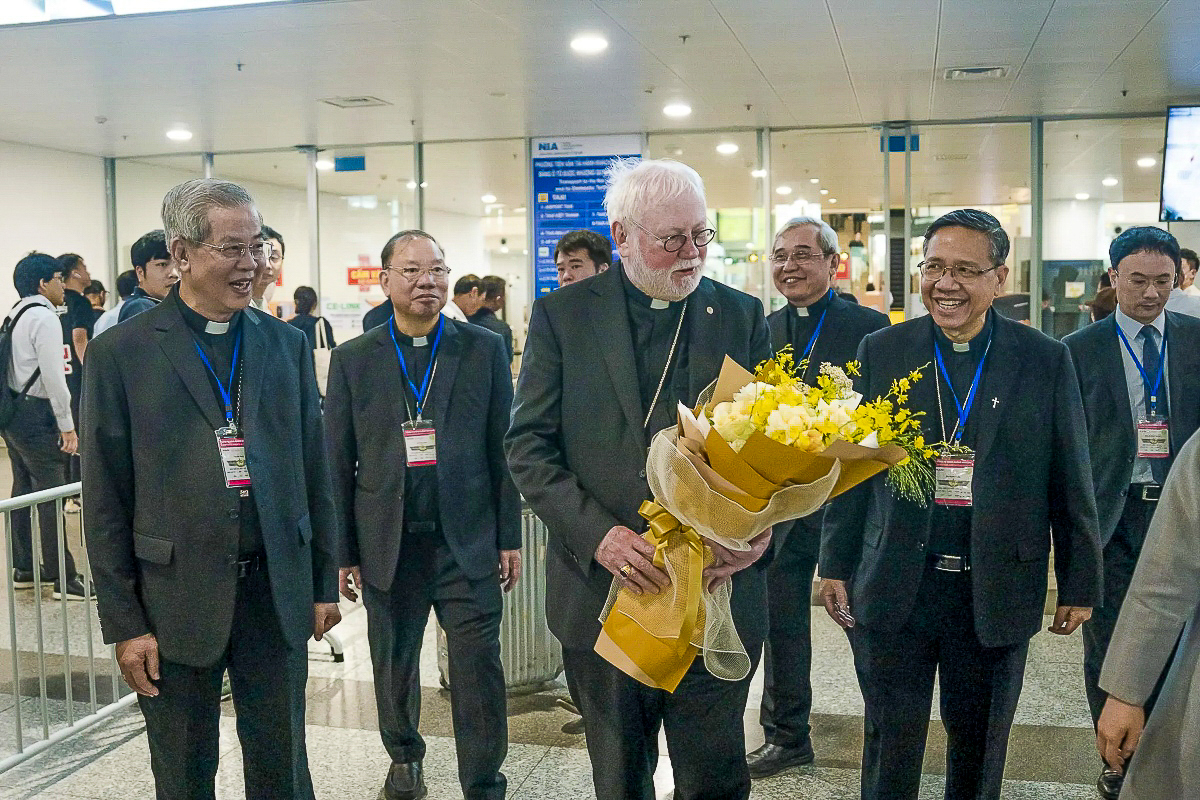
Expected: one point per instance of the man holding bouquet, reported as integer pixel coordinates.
(585, 411)
(821, 327)
(957, 586)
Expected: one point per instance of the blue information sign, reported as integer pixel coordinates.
(568, 194)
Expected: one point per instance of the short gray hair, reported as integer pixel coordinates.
(636, 184)
(826, 236)
(186, 206)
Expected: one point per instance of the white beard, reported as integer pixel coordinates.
(659, 284)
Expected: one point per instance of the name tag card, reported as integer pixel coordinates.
(233, 460)
(953, 475)
(1153, 438)
(420, 443)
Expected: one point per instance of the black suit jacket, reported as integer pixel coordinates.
(1112, 442)
(1032, 489)
(162, 526)
(470, 398)
(577, 448)
(486, 318)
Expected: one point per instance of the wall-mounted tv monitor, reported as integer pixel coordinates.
(1181, 165)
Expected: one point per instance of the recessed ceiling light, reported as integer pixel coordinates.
(424, 184)
(1083, 196)
(488, 198)
(503, 248)
(824, 191)
(758, 173)
(814, 180)
(727, 148)
(519, 210)
(323, 164)
(750, 245)
(179, 135)
(589, 44)
(1110, 181)
(833, 199)
(677, 110)
(1146, 162)
(783, 190)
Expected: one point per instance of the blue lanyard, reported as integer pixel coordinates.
(423, 393)
(226, 397)
(812, 340)
(1152, 392)
(964, 411)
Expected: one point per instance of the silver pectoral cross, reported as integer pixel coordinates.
(995, 402)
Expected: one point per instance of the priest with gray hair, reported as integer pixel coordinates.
(582, 421)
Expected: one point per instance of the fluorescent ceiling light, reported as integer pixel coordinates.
(323, 164)
(179, 135)
(833, 200)
(1110, 181)
(677, 110)
(589, 44)
(488, 198)
(758, 173)
(1146, 162)
(1083, 196)
(411, 184)
(824, 191)
(814, 180)
(783, 190)
(727, 148)
(519, 210)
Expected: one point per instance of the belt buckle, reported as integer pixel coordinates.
(951, 564)
(1151, 492)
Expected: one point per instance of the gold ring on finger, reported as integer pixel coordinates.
(627, 570)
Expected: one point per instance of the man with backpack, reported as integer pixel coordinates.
(35, 417)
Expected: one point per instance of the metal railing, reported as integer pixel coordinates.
(36, 648)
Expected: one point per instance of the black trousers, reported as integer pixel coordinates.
(787, 655)
(268, 680)
(980, 687)
(469, 612)
(73, 468)
(1120, 558)
(703, 722)
(37, 463)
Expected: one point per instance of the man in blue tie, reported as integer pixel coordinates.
(1139, 374)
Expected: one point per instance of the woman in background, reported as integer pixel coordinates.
(306, 302)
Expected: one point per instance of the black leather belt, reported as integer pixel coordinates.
(950, 563)
(248, 566)
(421, 527)
(1145, 491)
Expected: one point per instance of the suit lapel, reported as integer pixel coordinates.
(253, 356)
(449, 355)
(777, 323)
(610, 326)
(706, 340)
(1182, 365)
(179, 346)
(1112, 370)
(999, 381)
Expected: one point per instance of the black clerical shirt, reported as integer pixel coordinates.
(950, 527)
(219, 349)
(421, 517)
(653, 330)
(800, 329)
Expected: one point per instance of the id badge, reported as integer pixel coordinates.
(953, 474)
(232, 450)
(1153, 438)
(420, 443)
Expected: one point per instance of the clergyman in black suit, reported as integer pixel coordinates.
(208, 507)
(1135, 424)
(606, 362)
(415, 412)
(821, 327)
(957, 587)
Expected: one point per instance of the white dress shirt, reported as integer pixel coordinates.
(37, 341)
(1183, 303)
(452, 311)
(1133, 378)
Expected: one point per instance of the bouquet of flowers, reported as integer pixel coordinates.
(759, 449)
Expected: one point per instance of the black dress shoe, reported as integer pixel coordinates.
(404, 782)
(23, 579)
(73, 589)
(771, 759)
(1109, 783)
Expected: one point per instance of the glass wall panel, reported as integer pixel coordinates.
(278, 182)
(837, 176)
(475, 204)
(1101, 176)
(729, 165)
(359, 212)
(141, 185)
(973, 166)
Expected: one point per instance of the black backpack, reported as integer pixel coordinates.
(8, 398)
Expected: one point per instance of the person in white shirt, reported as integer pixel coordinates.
(1190, 263)
(41, 429)
(1185, 297)
(267, 274)
(126, 282)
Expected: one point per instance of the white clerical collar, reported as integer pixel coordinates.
(420, 341)
(659, 305)
(801, 311)
(960, 347)
(216, 327)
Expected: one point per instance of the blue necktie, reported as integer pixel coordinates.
(1151, 362)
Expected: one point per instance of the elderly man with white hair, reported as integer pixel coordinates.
(605, 363)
